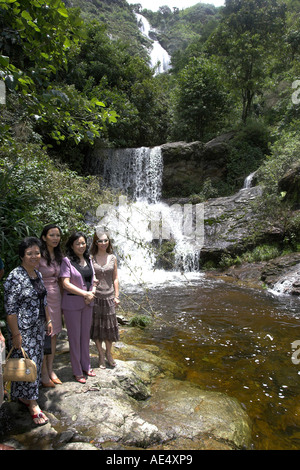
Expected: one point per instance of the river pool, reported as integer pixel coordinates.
(234, 340)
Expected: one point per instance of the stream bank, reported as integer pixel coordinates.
(281, 274)
(141, 404)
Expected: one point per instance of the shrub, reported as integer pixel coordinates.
(35, 191)
(141, 321)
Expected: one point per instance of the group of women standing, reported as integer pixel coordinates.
(83, 286)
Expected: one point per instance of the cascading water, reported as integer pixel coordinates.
(140, 222)
(249, 180)
(137, 172)
(158, 55)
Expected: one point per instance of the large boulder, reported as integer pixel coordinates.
(188, 165)
(282, 274)
(228, 224)
(136, 405)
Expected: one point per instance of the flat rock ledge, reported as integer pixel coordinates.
(141, 404)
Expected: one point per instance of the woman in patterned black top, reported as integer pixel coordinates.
(25, 304)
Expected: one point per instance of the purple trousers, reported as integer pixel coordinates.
(78, 324)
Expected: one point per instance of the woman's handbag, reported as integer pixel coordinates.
(20, 369)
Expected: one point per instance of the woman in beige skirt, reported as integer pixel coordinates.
(105, 325)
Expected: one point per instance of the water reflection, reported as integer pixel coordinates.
(238, 341)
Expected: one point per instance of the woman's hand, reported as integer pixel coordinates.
(117, 301)
(89, 297)
(49, 328)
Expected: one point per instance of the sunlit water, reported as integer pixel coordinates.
(230, 339)
(233, 340)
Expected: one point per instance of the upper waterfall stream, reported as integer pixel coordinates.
(158, 55)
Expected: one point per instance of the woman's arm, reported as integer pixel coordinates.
(116, 283)
(49, 326)
(12, 322)
(67, 285)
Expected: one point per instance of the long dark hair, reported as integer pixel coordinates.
(69, 248)
(44, 250)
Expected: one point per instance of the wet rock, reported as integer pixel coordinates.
(283, 274)
(227, 224)
(79, 446)
(182, 410)
(137, 405)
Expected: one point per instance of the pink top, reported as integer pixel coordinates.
(51, 277)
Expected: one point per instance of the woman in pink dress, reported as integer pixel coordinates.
(49, 267)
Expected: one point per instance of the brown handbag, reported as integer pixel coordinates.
(20, 369)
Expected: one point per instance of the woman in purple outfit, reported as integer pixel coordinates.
(49, 267)
(78, 278)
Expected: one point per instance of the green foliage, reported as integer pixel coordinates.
(179, 28)
(246, 40)
(36, 36)
(142, 321)
(117, 17)
(125, 83)
(66, 114)
(247, 151)
(35, 192)
(263, 252)
(272, 206)
(200, 100)
(284, 153)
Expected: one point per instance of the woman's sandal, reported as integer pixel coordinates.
(102, 362)
(90, 373)
(110, 360)
(39, 415)
(80, 379)
(57, 381)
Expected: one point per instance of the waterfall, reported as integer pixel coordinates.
(249, 180)
(140, 222)
(137, 172)
(158, 55)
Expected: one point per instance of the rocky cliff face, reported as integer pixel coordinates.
(290, 184)
(230, 224)
(188, 165)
